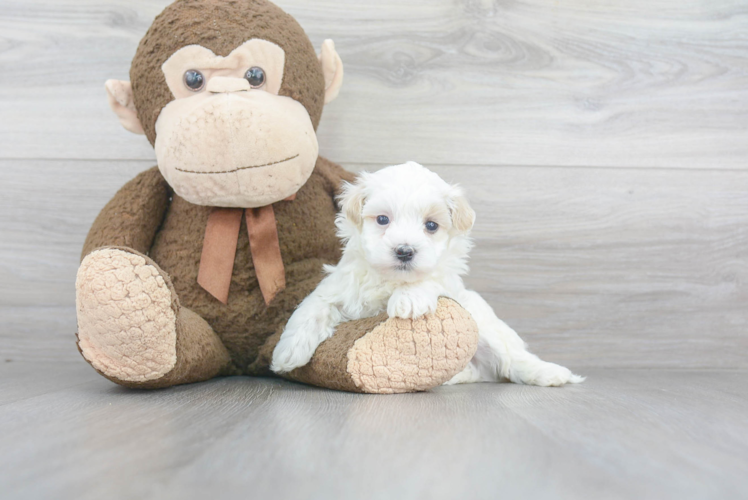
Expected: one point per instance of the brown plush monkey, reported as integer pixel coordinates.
(193, 268)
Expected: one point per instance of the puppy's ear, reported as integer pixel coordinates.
(463, 215)
(352, 200)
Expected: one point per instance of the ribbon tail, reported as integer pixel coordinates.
(265, 248)
(219, 251)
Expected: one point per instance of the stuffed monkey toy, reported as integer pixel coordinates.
(192, 269)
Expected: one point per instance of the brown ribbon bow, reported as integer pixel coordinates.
(219, 250)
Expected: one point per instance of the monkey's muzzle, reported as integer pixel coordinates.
(247, 149)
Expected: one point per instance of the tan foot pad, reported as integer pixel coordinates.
(126, 320)
(403, 355)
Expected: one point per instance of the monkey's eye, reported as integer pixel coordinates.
(431, 226)
(255, 76)
(194, 80)
(383, 220)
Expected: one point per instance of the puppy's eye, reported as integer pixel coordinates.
(383, 220)
(194, 80)
(431, 226)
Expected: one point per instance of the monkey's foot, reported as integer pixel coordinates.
(127, 316)
(391, 355)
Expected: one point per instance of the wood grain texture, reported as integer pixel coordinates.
(38, 335)
(577, 83)
(620, 435)
(552, 115)
(594, 267)
(614, 265)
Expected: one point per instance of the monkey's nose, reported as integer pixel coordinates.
(224, 84)
(405, 253)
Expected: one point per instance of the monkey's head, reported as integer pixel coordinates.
(229, 92)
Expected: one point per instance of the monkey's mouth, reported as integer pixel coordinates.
(238, 168)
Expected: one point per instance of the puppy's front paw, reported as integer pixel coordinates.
(410, 304)
(293, 350)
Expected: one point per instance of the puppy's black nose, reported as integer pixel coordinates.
(405, 253)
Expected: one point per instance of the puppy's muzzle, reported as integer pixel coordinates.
(405, 253)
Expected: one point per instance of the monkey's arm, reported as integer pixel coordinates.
(334, 174)
(386, 355)
(132, 216)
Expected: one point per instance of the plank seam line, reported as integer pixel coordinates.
(428, 164)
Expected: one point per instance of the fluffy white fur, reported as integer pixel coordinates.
(371, 278)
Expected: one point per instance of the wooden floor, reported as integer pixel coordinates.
(632, 434)
(604, 147)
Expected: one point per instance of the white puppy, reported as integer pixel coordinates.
(406, 243)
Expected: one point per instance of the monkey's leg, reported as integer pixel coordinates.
(133, 331)
(390, 355)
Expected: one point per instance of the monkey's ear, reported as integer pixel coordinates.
(119, 94)
(463, 215)
(352, 200)
(332, 68)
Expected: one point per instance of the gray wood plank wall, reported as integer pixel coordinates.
(604, 146)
